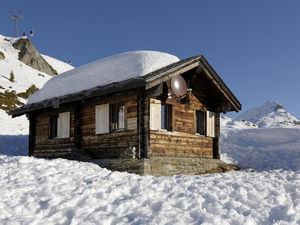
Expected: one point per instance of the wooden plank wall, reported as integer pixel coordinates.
(52, 148)
(116, 144)
(182, 141)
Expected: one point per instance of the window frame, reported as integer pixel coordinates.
(166, 117)
(114, 117)
(53, 127)
(198, 130)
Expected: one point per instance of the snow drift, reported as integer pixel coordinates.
(263, 149)
(38, 191)
(104, 71)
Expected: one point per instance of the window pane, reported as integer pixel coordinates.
(166, 117)
(53, 126)
(163, 117)
(200, 122)
(114, 117)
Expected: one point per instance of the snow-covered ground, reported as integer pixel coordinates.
(40, 191)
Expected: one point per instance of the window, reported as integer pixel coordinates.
(166, 117)
(117, 117)
(109, 118)
(200, 122)
(53, 126)
(59, 125)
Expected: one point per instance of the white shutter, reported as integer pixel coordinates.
(155, 114)
(63, 125)
(210, 124)
(102, 118)
(121, 115)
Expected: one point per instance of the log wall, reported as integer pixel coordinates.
(116, 144)
(182, 140)
(56, 147)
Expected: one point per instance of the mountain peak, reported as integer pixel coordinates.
(269, 115)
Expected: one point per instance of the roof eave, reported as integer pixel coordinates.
(236, 105)
(90, 93)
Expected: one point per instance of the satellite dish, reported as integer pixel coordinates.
(179, 86)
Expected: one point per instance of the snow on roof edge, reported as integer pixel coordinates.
(103, 71)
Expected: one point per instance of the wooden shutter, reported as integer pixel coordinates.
(63, 125)
(210, 124)
(155, 114)
(102, 118)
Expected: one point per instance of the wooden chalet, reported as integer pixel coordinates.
(137, 125)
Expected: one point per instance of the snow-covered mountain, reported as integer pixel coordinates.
(270, 115)
(268, 132)
(22, 71)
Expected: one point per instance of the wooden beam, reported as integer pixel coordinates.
(77, 122)
(32, 129)
(153, 81)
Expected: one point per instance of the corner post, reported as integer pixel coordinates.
(216, 153)
(32, 129)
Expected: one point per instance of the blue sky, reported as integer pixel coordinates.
(253, 45)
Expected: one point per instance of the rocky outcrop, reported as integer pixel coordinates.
(30, 56)
(2, 56)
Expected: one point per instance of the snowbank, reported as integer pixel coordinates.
(104, 71)
(264, 149)
(37, 191)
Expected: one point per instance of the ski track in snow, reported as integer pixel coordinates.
(39, 191)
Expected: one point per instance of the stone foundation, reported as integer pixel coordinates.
(166, 166)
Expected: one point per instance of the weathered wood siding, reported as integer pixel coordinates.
(180, 144)
(182, 140)
(119, 143)
(56, 147)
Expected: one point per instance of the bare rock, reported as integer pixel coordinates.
(30, 56)
(2, 56)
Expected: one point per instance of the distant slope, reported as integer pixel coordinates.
(265, 137)
(59, 66)
(270, 115)
(19, 79)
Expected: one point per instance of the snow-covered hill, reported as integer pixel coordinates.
(19, 77)
(270, 115)
(265, 137)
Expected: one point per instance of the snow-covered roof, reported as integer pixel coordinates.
(102, 72)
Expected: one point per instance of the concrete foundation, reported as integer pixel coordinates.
(166, 166)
